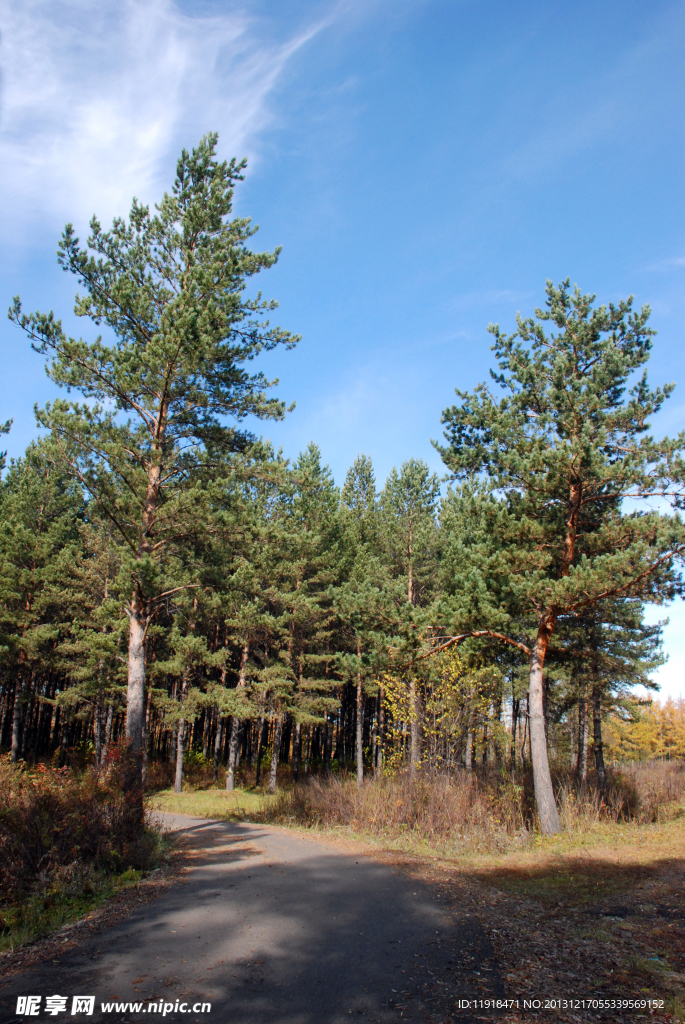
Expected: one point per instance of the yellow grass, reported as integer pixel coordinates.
(608, 859)
(211, 803)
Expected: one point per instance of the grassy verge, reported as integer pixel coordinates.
(240, 804)
(43, 913)
(580, 869)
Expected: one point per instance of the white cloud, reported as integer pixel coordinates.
(98, 96)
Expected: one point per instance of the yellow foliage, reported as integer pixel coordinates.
(450, 698)
(659, 731)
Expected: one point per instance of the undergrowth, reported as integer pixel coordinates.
(471, 813)
(67, 841)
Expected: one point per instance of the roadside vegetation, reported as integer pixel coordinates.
(467, 814)
(68, 840)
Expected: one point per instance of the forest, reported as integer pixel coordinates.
(176, 591)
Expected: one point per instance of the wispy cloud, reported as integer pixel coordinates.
(666, 264)
(98, 95)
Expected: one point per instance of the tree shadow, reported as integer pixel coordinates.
(580, 880)
(272, 928)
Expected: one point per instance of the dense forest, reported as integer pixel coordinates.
(174, 587)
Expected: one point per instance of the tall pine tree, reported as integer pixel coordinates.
(564, 448)
(169, 287)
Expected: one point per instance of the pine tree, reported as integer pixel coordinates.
(169, 287)
(611, 650)
(564, 448)
(39, 539)
(409, 504)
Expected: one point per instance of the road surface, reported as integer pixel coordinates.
(272, 926)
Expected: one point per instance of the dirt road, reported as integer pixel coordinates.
(271, 926)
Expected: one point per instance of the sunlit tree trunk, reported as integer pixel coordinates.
(544, 792)
(180, 737)
(236, 724)
(278, 732)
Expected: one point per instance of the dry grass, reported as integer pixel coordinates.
(212, 803)
(472, 814)
(583, 868)
(445, 814)
(659, 787)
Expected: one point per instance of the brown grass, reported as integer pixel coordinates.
(442, 812)
(659, 786)
(471, 813)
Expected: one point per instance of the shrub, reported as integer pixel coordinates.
(56, 825)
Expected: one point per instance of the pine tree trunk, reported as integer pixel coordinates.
(524, 739)
(258, 752)
(135, 702)
(218, 741)
(278, 732)
(146, 735)
(495, 751)
(108, 729)
(381, 731)
(16, 721)
(598, 742)
(414, 742)
(64, 739)
(468, 753)
(297, 751)
(233, 748)
(360, 724)
(180, 737)
(206, 732)
(544, 792)
(327, 746)
(97, 730)
(237, 726)
(29, 720)
(515, 705)
(583, 736)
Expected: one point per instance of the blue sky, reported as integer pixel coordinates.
(426, 165)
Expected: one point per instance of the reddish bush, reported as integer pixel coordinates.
(52, 820)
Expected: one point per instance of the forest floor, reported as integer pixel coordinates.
(594, 915)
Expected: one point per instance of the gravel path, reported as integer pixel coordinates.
(272, 926)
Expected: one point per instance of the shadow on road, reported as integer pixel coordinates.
(272, 926)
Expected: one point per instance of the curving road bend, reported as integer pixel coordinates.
(271, 926)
